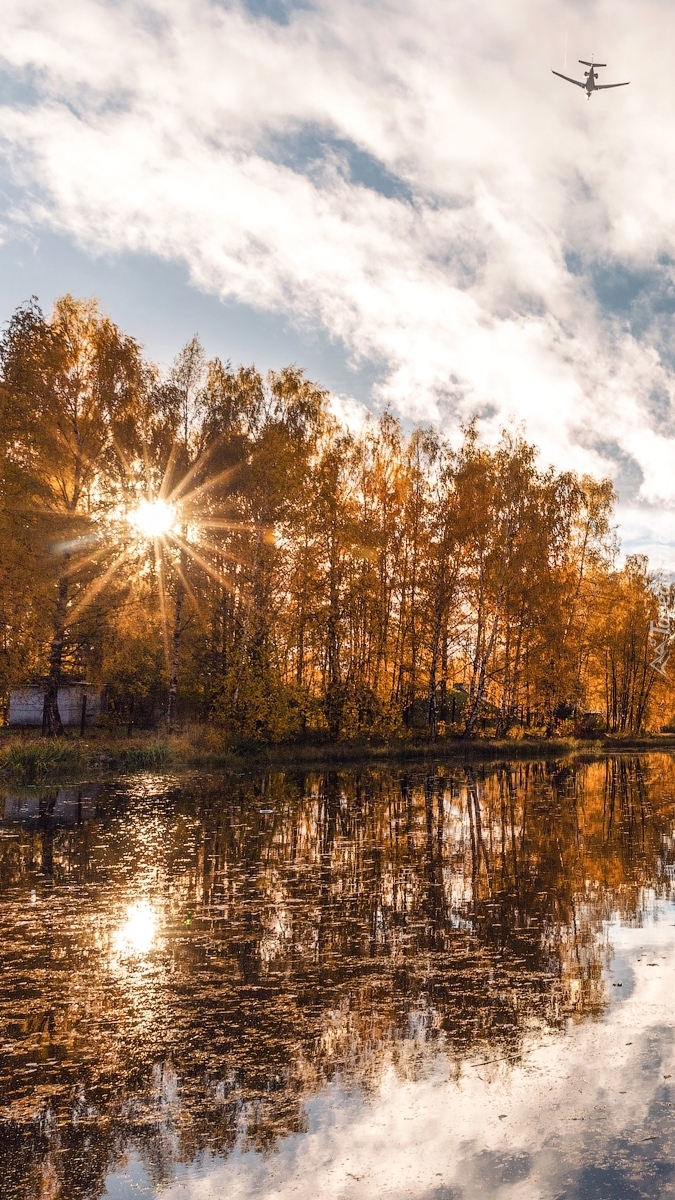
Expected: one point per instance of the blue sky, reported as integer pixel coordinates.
(398, 196)
(154, 301)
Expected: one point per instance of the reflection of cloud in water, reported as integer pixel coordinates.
(586, 1114)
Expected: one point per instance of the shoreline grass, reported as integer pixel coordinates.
(33, 760)
(30, 759)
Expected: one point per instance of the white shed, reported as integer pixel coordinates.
(26, 704)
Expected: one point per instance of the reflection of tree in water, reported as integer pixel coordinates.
(309, 928)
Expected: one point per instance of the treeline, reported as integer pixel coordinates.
(315, 582)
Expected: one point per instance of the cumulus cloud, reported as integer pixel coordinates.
(407, 175)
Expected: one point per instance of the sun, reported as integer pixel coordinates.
(175, 526)
(153, 518)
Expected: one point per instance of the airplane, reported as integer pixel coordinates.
(590, 85)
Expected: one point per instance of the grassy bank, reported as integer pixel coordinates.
(30, 759)
(38, 760)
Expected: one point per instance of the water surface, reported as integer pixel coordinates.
(440, 983)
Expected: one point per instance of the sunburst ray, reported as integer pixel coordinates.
(209, 483)
(159, 563)
(192, 471)
(205, 565)
(191, 594)
(168, 471)
(205, 545)
(96, 587)
(231, 526)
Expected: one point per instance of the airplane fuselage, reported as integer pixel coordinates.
(590, 83)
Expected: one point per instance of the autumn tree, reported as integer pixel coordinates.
(625, 606)
(68, 389)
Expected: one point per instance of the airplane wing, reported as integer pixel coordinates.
(600, 87)
(581, 85)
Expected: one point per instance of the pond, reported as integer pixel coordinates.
(437, 983)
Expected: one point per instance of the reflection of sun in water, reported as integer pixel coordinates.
(135, 938)
(153, 518)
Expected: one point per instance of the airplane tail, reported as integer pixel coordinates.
(591, 64)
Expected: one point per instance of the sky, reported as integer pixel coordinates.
(398, 196)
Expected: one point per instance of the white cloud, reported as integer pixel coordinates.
(169, 129)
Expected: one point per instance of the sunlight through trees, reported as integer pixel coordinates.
(214, 545)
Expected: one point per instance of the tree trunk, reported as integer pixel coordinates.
(51, 718)
(172, 711)
(432, 708)
(482, 674)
